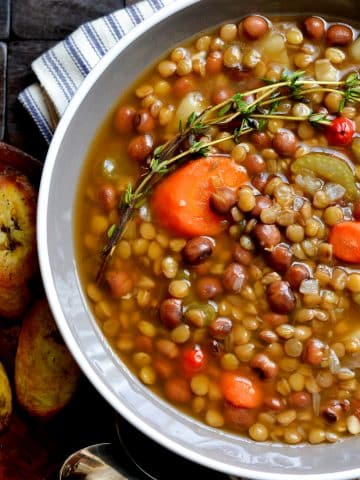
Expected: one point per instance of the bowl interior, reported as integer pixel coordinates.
(213, 448)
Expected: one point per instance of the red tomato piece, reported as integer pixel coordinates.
(193, 360)
(340, 131)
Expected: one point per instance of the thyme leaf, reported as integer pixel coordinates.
(239, 117)
(128, 194)
(240, 103)
(111, 230)
(317, 119)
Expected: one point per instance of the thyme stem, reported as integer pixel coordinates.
(279, 115)
(243, 117)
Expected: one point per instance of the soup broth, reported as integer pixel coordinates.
(234, 290)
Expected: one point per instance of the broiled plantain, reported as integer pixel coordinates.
(18, 259)
(14, 301)
(45, 373)
(5, 399)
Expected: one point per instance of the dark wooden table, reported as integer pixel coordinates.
(28, 28)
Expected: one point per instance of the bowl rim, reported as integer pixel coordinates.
(53, 297)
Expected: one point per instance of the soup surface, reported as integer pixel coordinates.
(226, 183)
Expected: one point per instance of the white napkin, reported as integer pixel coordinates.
(62, 69)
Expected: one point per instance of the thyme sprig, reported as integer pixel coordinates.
(242, 113)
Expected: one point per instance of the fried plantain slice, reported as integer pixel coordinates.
(45, 373)
(14, 301)
(18, 259)
(5, 399)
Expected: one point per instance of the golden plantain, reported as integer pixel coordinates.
(45, 373)
(14, 301)
(5, 399)
(18, 259)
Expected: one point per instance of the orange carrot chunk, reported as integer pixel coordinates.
(240, 390)
(181, 202)
(345, 239)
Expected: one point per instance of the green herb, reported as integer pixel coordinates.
(200, 147)
(128, 194)
(241, 118)
(317, 119)
(240, 103)
(111, 230)
(225, 109)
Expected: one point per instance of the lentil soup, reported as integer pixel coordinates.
(224, 188)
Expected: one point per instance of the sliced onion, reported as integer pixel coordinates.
(334, 362)
(325, 71)
(274, 49)
(328, 167)
(334, 191)
(355, 50)
(192, 102)
(309, 183)
(309, 287)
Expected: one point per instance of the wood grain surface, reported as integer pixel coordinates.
(53, 19)
(4, 19)
(21, 131)
(32, 28)
(3, 60)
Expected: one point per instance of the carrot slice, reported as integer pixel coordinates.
(181, 202)
(240, 390)
(345, 239)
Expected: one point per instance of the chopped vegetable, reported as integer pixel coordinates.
(240, 390)
(181, 202)
(345, 239)
(193, 360)
(340, 131)
(328, 167)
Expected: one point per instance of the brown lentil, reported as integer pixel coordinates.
(314, 28)
(267, 235)
(338, 35)
(208, 287)
(280, 297)
(280, 258)
(223, 199)
(313, 352)
(197, 250)
(264, 366)
(254, 27)
(296, 274)
(268, 296)
(234, 277)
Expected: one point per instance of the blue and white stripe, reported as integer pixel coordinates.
(62, 69)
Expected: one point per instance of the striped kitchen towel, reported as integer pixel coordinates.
(61, 70)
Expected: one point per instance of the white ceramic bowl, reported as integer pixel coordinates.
(199, 443)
